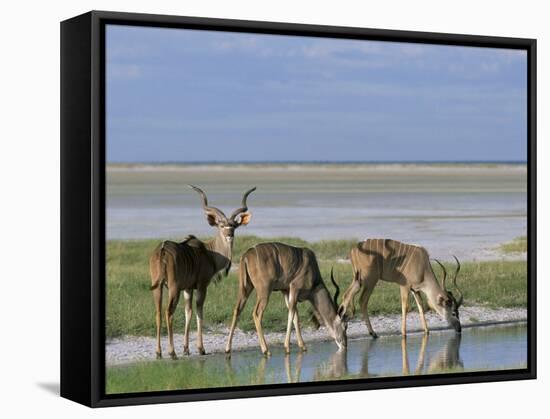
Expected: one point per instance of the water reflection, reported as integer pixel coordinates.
(387, 356)
(263, 373)
(364, 371)
(290, 377)
(446, 358)
(335, 367)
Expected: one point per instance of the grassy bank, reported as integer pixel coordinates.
(518, 245)
(182, 375)
(130, 311)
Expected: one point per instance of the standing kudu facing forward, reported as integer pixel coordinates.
(294, 271)
(191, 265)
(409, 267)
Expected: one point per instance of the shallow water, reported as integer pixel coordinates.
(464, 211)
(478, 348)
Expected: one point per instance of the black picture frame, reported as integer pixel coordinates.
(83, 207)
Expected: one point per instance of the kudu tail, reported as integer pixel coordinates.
(161, 268)
(244, 276)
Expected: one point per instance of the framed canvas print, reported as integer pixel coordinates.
(255, 208)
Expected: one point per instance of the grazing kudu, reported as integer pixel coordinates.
(408, 266)
(294, 271)
(191, 265)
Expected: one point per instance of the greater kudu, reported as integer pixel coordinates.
(408, 266)
(191, 265)
(294, 271)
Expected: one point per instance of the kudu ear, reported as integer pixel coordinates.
(211, 218)
(243, 219)
(443, 301)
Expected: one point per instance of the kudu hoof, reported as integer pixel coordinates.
(173, 356)
(186, 351)
(374, 335)
(266, 353)
(303, 348)
(159, 355)
(202, 351)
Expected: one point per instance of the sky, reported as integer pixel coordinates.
(178, 95)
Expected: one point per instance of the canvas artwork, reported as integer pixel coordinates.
(295, 209)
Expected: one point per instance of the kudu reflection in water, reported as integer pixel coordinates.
(260, 378)
(446, 358)
(336, 367)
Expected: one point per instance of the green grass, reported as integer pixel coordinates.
(130, 310)
(518, 245)
(181, 375)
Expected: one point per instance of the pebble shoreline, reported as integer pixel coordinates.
(130, 349)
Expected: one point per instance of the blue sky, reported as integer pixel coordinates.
(184, 95)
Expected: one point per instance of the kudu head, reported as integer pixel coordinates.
(226, 225)
(349, 295)
(339, 325)
(446, 304)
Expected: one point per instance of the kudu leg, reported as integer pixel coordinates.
(173, 298)
(364, 299)
(157, 296)
(292, 301)
(420, 305)
(301, 343)
(201, 296)
(404, 309)
(188, 299)
(258, 314)
(239, 307)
